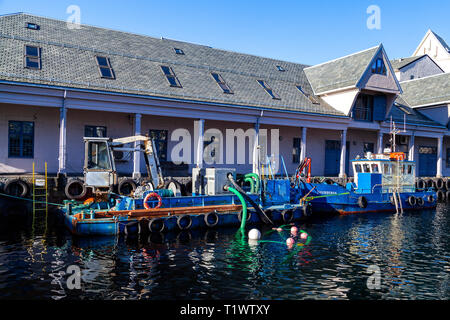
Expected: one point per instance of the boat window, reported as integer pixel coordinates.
(98, 156)
(386, 169)
(410, 169)
(366, 168)
(375, 168)
(358, 168)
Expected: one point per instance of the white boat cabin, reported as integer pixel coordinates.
(396, 172)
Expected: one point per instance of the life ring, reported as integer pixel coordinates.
(287, 215)
(412, 201)
(420, 202)
(211, 219)
(184, 222)
(152, 195)
(156, 225)
(362, 202)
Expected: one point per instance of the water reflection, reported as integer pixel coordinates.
(412, 251)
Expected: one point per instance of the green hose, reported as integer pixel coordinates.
(252, 184)
(244, 207)
(256, 178)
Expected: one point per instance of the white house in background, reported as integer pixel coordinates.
(434, 46)
(415, 67)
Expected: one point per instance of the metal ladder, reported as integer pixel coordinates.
(397, 200)
(40, 191)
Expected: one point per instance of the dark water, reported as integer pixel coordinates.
(412, 252)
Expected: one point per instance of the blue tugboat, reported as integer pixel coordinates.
(383, 183)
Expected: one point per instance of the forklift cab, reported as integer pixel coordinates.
(99, 167)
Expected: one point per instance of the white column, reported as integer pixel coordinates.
(343, 153)
(439, 160)
(62, 137)
(411, 148)
(199, 135)
(137, 155)
(380, 142)
(256, 149)
(303, 144)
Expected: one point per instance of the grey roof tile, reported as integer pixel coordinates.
(431, 90)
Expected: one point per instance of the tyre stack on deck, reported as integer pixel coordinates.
(440, 185)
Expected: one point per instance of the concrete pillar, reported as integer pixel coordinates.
(411, 148)
(303, 144)
(199, 136)
(380, 142)
(256, 149)
(62, 137)
(439, 156)
(343, 153)
(137, 155)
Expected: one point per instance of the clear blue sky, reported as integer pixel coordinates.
(308, 32)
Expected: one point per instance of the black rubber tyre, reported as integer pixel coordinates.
(431, 199)
(307, 210)
(75, 189)
(156, 225)
(420, 202)
(430, 183)
(184, 222)
(328, 181)
(288, 215)
(421, 185)
(249, 216)
(16, 188)
(211, 219)
(439, 183)
(362, 202)
(447, 184)
(173, 185)
(127, 187)
(440, 196)
(131, 226)
(447, 194)
(412, 201)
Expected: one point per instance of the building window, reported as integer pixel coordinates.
(32, 26)
(171, 77)
(32, 57)
(178, 51)
(307, 95)
(268, 89)
(363, 110)
(280, 68)
(222, 84)
(95, 131)
(105, 68)
(379, 67)
(296, 150)
(369, 147)
(21, 139)
(160, 139)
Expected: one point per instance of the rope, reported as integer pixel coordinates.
(328, 195)
(25, 199)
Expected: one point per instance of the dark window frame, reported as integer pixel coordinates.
(172, 76)
(363, 111)
(33, 58)
(162, 155)
(179, 51)
(94, 129)
(268, 89)
(296, 149)
(108, 67)
(307, 95)
(21, 136)
(281, 69)
(32, 26)
(221, 83)
(379, 67)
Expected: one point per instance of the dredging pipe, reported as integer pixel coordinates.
(244, 206)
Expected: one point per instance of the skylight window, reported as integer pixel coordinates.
(32, 26)
(222, 84)
(268, 89)
(310, 97)
(171, 77)
(379, 67)
(32, 57)
(104, 67)
(280, 68)
(178, 51)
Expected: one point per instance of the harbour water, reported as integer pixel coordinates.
(412, 252)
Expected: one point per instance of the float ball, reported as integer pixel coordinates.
(290, 241)
(254, 234)
(294, 230)
(304, 236)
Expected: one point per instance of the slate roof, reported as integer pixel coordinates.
(431, 90)
(397, 64)
(340, 73)
(442, 41)
(68, 60)
(401, 112)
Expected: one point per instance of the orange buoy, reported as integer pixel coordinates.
(397, 156)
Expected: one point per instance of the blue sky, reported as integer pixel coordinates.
(308, 32)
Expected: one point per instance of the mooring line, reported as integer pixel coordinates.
(31, 200)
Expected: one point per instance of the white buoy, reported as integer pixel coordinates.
(254, 234)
